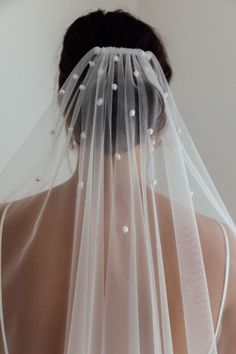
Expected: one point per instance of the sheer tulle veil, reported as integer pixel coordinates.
(86, 203)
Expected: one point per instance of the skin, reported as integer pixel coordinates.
(22, 292)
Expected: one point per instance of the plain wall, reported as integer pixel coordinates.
(200, 38)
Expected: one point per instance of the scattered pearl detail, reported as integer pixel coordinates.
(83, 135)
(132, 113)
(136, 73)
(149, 131)
(117, 156)
(99, 101)
(148, 55)
(125, 229)
(91, 63)
(154, 183)
(62, 91)
(116, 58)
(165, 94)
(97, 50)
(82, 87)
(114, 86)
(75, 76)
(81, 184)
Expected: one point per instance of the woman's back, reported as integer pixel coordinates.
(35, 292)
(127, 256)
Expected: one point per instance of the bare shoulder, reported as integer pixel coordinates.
(214, 245)
(214, 251)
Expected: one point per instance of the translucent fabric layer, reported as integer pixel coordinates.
(102, 212)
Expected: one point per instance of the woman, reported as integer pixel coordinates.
(114, 238)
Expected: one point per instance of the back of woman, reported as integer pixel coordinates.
(113, 236)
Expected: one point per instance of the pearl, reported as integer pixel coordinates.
(165, 94)
(125, 229)
(132, 113)
(38, 179)
(91, 63)
(149, 131)
(97, 50)
(52, 131)
(62, 91)
(114, 87)
(116, 58)
(148, 55)
(83, 135)
(99, 101)
(136, 73)
(117, 156)
(81, 184)
(154, 141)
(154, 182)
(75, 76)
(82, 87)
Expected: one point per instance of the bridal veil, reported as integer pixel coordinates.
(86, 203)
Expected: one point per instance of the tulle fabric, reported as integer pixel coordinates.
(103, 206)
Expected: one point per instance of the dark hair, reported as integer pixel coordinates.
(117, 29)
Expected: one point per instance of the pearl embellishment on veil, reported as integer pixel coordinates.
(81, 184)
(132, 113)
(97, 50)
(99, 101)
(83, 135)
(117, 156)
(149, 131)
(148, 55)
(125, 229)
(116, 58)
(114, 86)
(62, 91)
(165, 94)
